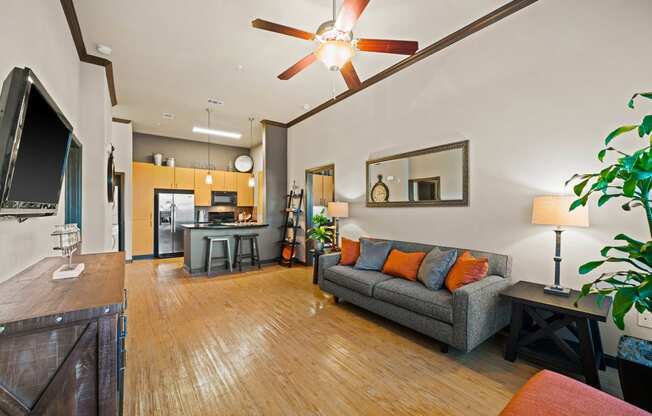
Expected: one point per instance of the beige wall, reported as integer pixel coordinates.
(535, 94)
(36, 34)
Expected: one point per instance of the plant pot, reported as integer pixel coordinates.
(635, 370)
(318, 245)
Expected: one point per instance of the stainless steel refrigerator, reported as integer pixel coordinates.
(173, 209)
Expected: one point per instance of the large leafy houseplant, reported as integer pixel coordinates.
(320, 231)
(629, 178)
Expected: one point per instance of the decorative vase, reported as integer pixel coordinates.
(170, 162)
(634, 369)
(158, 159)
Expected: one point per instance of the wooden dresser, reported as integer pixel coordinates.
(62, 341)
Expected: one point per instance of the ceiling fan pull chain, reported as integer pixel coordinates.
(334, 96)
(334, 11)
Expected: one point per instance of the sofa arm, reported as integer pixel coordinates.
(326, 261)
(479, 311)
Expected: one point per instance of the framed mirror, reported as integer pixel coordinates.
(436, 176)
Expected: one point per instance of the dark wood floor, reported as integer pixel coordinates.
(271, 343)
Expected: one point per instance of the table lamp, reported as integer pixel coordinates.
(338, 210)
(554, 210)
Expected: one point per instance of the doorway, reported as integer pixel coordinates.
(320, 190)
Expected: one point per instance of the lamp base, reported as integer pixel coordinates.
(557, 290)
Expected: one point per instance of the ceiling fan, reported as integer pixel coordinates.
(336, 44)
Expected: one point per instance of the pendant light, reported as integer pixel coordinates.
(209, 178)
(252, 180)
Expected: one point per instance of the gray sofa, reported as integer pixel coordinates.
(462, 319)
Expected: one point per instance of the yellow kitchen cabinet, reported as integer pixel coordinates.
(230, 181)
(327, 189)
(218, 180)
(163, 177)
(245, 192)
(202, 190)
(184, 178)
(142, 242)
(143, 190)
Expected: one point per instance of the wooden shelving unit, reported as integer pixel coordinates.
(291, 227)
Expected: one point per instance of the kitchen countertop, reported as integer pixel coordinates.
(226, 226)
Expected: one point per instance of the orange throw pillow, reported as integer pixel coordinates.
(401, 264)
(467, 269)
(350, 252)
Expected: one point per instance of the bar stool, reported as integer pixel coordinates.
(226, 245)
(253, 254)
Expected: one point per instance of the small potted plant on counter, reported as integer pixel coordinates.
(629, 178)
(321, 232)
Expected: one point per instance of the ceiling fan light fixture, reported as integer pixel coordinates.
(335, 53)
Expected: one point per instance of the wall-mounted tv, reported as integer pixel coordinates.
(35, 138)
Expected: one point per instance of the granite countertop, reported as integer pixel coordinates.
(225, 226)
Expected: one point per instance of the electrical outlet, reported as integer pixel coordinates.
(645, 319)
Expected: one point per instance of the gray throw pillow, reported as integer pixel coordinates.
(435, 267)
(372, 254)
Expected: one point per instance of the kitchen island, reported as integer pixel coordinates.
(196, 244)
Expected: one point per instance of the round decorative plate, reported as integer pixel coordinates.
(244, 163)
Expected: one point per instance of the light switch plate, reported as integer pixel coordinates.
(645, 319)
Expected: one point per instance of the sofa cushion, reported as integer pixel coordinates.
(361, 281)
(414, 296)
(467, 269)
(435, 267)
(405, 265)
(372, 254)
(350, 252)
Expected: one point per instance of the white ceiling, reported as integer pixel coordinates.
(172, 55)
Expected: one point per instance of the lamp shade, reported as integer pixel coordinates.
(553, 210)
(338, 209)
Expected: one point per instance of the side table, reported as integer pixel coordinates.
(537, 318)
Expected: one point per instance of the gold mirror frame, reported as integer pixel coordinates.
(464, 202)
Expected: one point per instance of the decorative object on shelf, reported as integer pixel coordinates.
(336, 44)
(292, 225)
(208, 179)
(110, 176)
(338, 210)
(158, 159)
(68, 240)
(553, 210)
(629, 177)
(170, 162)
(438, 176)
(244, 163)
(380, 191)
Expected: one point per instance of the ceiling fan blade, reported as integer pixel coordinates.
(349, 14)
(350, 76)
(403, 47)
(299, 66)
(284, 30)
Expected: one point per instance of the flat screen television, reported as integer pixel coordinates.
(35, 138)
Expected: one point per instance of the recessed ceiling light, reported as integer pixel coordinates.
(168, 116)
(306, 106)
(215, 101)
(240, 67)
(103, 49)
(213, 132)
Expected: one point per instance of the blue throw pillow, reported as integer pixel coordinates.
(372, 254)
(435, 266)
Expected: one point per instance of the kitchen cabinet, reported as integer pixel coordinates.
(245, 192)
(202, 190)
(184, 178)
(163, 177)
(219, 178)
(143, 209)
(230, 181)
(322, 189)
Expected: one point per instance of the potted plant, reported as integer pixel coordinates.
(628, 178)
(321, 233)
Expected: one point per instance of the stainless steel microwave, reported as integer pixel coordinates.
(221, 198)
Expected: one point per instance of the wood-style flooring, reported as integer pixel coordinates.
(269, 342)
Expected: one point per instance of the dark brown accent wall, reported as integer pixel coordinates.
(187, 153)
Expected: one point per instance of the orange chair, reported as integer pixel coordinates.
(551, 394)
